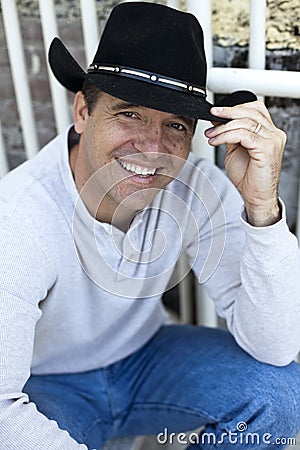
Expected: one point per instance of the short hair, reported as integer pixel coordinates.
(91, 95)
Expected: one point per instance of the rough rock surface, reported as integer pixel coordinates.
(231, 23)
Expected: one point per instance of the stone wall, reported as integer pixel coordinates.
(231, 23)
(231, 31)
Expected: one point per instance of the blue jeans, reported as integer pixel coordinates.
(184, 377)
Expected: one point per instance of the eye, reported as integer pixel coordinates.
(178, 126)
(129, 114)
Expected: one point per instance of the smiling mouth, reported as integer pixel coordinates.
(138, 170)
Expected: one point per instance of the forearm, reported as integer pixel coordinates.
(21, 425)
(265, 317)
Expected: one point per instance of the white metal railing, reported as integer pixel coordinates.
(58, 93)
(19, 74)
(264, 82)
(90, 29)
(257, 38)
(220, 80)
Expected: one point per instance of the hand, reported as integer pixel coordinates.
(254, 150)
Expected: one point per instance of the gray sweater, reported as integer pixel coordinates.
(77, 294)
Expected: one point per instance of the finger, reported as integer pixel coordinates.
(254, 126)
(243, 112)
(257, 113)
(238, 124)
(248, 140)
(275, 135)
(259, 106)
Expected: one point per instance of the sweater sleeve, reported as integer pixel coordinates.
(255, 282)
(266, 316)
(26, 275)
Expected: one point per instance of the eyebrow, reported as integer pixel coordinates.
(188, 120)
(123, 104)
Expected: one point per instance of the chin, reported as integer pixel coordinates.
(137, 199)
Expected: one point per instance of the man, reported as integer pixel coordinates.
(91, 230)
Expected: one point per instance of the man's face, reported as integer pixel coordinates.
(129, 152)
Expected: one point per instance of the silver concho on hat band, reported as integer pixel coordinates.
(161, 80)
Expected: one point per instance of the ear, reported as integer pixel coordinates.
(80, 112)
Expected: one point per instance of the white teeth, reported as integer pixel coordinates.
(137, 169)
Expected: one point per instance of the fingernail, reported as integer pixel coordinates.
(209, 130)
(216, 109)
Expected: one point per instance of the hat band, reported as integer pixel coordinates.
(152, 78)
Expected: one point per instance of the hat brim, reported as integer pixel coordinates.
(69, 73)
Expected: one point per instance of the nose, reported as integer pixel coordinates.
(151, 140)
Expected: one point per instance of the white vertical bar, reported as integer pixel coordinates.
(19, 74)
(298, 219)
(3, 158)
(185, 300)
(174, 4)
(206, 314)
(58, 92)
(202, 11)
(257, 43)
(206, 311)
(90, 28)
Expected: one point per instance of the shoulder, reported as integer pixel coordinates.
(31, 213)
(27, 191)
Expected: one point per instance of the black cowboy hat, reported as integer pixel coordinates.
(150, 55)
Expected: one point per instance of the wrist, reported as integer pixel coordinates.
(263, 216)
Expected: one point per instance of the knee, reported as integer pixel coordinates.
(284, 398)
(275, 404)
(265, 410)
